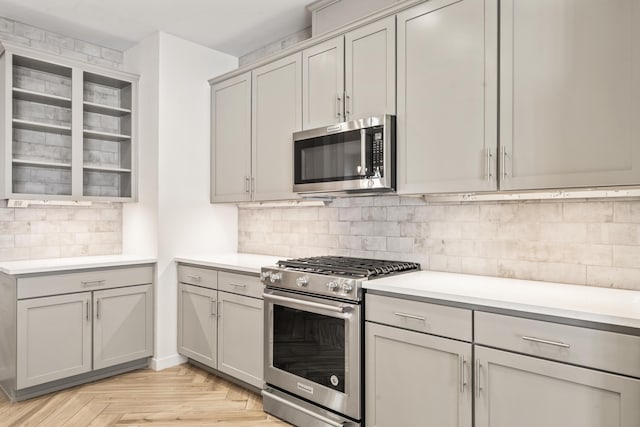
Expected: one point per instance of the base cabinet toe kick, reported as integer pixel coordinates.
(72, 327)
(494, 370)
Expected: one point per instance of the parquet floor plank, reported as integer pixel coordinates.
(180, 396)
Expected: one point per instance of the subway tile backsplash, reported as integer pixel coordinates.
(581, 242)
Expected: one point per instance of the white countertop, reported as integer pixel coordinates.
(248, 263)
(62, 264)
(603, 305)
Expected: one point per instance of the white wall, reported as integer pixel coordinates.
(185, 221)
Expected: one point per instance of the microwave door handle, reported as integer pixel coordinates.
(363, 152)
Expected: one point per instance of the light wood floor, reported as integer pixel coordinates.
(179, 396)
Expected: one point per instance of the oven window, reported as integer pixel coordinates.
(309, 345)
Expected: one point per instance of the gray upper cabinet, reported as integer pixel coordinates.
(277, 113)
(231, 140)
(54, 338)
(515, 390)
(570, 94)
(370, 70)
(323, 84)
(350, 77)
(69, 129)
(123, 325)
(447, 97)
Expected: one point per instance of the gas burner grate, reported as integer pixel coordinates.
(347, 266)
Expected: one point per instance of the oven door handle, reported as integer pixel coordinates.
(303, 410)
(306, 303)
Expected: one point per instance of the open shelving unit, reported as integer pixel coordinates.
(69, 128)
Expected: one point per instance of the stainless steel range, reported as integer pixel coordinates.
(313, 337)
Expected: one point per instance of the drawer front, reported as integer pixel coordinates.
(240, 284)
(82, 281)
(609, 351)
(419, 316)
(204, 277)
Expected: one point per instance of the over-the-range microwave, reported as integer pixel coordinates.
(355, 157)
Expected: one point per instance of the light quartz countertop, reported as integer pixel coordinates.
(587, 303)
(35, 266)
(247, 263)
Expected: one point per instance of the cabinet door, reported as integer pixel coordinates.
(323, 84)
(122, 325)
(416, 379)
(54, 338)
(370, 70)
(240, 338)
(277, 113)
(524, 391)
(198, 323)
(570, 95)
(447, 96)
(231, 140)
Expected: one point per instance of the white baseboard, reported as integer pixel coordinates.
(166, 362)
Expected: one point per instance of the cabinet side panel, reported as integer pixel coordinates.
(8, 334)
(5, 128)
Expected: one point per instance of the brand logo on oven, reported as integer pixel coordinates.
(305, 388)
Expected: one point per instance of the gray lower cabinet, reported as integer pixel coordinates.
(65, 328)
(122, 325)
(240, 338)
(416, 379)
(198, 323)
(53, 339)
(220, 321)
(523, 391)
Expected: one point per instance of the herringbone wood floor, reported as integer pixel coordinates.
(179, 396)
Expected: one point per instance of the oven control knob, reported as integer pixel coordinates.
(332, 286)
(302, 281)
(275, 277)
(266, 275)
(346, 288)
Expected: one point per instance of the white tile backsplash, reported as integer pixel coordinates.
(581, 242)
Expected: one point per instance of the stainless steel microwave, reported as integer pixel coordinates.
(349, 158)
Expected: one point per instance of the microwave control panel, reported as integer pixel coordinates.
(377, 152)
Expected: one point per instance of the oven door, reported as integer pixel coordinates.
(312, 349)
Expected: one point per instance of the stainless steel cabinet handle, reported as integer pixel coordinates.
(214, 307)
(539, 340)
(411, 316)
(503, 165)
(489, 157)
(305, 303)
(89, 283)
(98, 309)
(87, 307)
(312, 414)
(478, 388)
(338, 106)
(246, 184)
(463, 379)
(239, 285)
(347, 106)
(194, 277)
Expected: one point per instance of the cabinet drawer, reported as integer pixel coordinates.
(609, 351)
(81, 281)
(419, 316)
(241, 284)
(198, 276)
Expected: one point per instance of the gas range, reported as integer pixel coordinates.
(332, 276)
